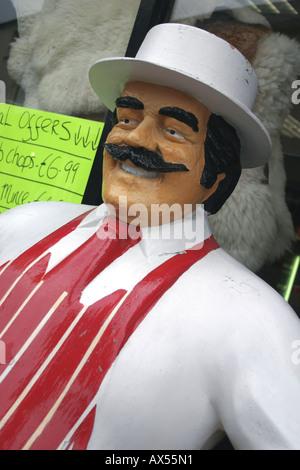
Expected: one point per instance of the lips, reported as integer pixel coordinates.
(138, 171)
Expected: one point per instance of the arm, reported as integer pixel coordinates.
(260, 401)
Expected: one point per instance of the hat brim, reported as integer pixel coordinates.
(108, 77)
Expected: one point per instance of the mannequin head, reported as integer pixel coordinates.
(172, 127)
(210, 80)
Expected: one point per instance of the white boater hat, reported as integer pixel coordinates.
(199, 64)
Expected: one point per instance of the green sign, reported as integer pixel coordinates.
(44, 156)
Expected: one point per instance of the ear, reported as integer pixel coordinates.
(208, 192)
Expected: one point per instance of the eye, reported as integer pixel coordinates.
(129, 122)
(173, 133)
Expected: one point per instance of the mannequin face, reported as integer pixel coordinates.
(170, 123)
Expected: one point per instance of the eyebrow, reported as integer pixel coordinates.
(181, 115)
(129, 102)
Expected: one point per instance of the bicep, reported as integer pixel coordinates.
(259, 403)
(264, 413)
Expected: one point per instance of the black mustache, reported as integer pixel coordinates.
(143, 158)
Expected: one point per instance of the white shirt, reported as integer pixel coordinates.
(214, 354)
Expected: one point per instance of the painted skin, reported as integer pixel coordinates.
(166, 133)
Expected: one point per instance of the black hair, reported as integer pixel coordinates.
(222, 155)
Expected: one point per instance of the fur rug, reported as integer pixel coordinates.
(57, 46)
(50, 61)
(255, 225)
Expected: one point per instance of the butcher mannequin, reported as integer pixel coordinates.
(121, 334)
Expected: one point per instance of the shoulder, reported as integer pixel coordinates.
(254, 333)
(240, 309)
(25, 225)
(235, 283)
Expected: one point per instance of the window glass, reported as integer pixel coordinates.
(47, 47)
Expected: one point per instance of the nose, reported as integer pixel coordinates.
(144, 135)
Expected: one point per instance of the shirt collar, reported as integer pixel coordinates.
(177, 236)
(170, 238)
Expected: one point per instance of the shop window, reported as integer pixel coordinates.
(47, 47)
